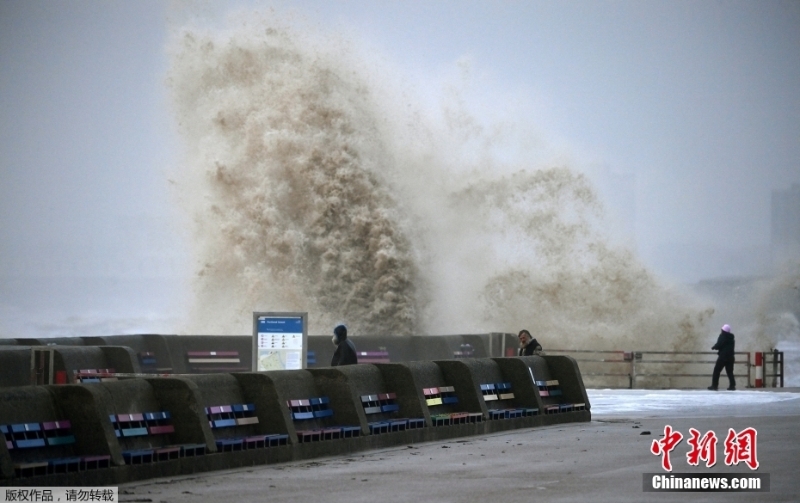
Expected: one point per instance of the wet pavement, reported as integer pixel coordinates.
(603, 460)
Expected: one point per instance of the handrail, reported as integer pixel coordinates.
(637, 361)
(777, 362)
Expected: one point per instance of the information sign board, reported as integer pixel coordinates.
(280, 341)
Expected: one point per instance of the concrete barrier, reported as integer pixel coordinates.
(75, 358)
(95, 412)
(564, 373)
(181, 346)
(51, 341)
(487, 371)
(40, 409)
(352, 382)
(406, 348)
(16, 364)
(152, 351)
(160, 354)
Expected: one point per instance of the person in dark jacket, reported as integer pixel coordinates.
(725, 347)
(527, 344)
(345, 349)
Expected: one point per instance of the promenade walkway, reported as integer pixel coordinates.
(599, 461)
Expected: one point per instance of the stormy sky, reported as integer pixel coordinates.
(685, 113)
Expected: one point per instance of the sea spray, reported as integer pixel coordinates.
(293, 215)
(567, 284)
(772, 309)
(317, 187)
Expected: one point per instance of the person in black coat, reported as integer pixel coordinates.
(527, 344)
(345, 349)
(725, 347)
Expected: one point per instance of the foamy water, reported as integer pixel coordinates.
(679, 402)
(319, 184)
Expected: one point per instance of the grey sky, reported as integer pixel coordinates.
(699, 100)
(82, 134)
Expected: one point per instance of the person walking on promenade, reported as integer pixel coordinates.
(725, 347)
(527, 344)
(345, 349)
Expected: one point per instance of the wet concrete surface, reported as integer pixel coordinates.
(603, 460)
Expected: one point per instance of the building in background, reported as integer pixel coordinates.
(785, 235)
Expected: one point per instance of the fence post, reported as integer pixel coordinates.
(775, 355)
(41, 365)
(503, 345)
(749, 369)
(759, 369)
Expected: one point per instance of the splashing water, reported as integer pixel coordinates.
(314, 190)
(294, 216)
(571, 286)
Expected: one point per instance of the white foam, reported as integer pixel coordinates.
(621, 402)
(321, 185)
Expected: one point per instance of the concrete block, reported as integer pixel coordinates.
(565, 370)
(16, 364)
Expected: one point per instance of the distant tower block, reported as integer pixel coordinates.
(786, 225)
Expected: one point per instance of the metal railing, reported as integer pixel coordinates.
(611, 367)
(676, 366)
(773, 361)
(664, 369)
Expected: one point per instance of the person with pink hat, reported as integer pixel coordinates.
(725, 347)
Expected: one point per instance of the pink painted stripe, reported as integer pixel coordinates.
(167, 428)
(56, 425)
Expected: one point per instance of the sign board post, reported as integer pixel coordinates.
(280, 341)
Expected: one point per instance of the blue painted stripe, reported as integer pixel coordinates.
(63, 461)
(224, 423)
(137, 453)
(18, 428)
(32, 442)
